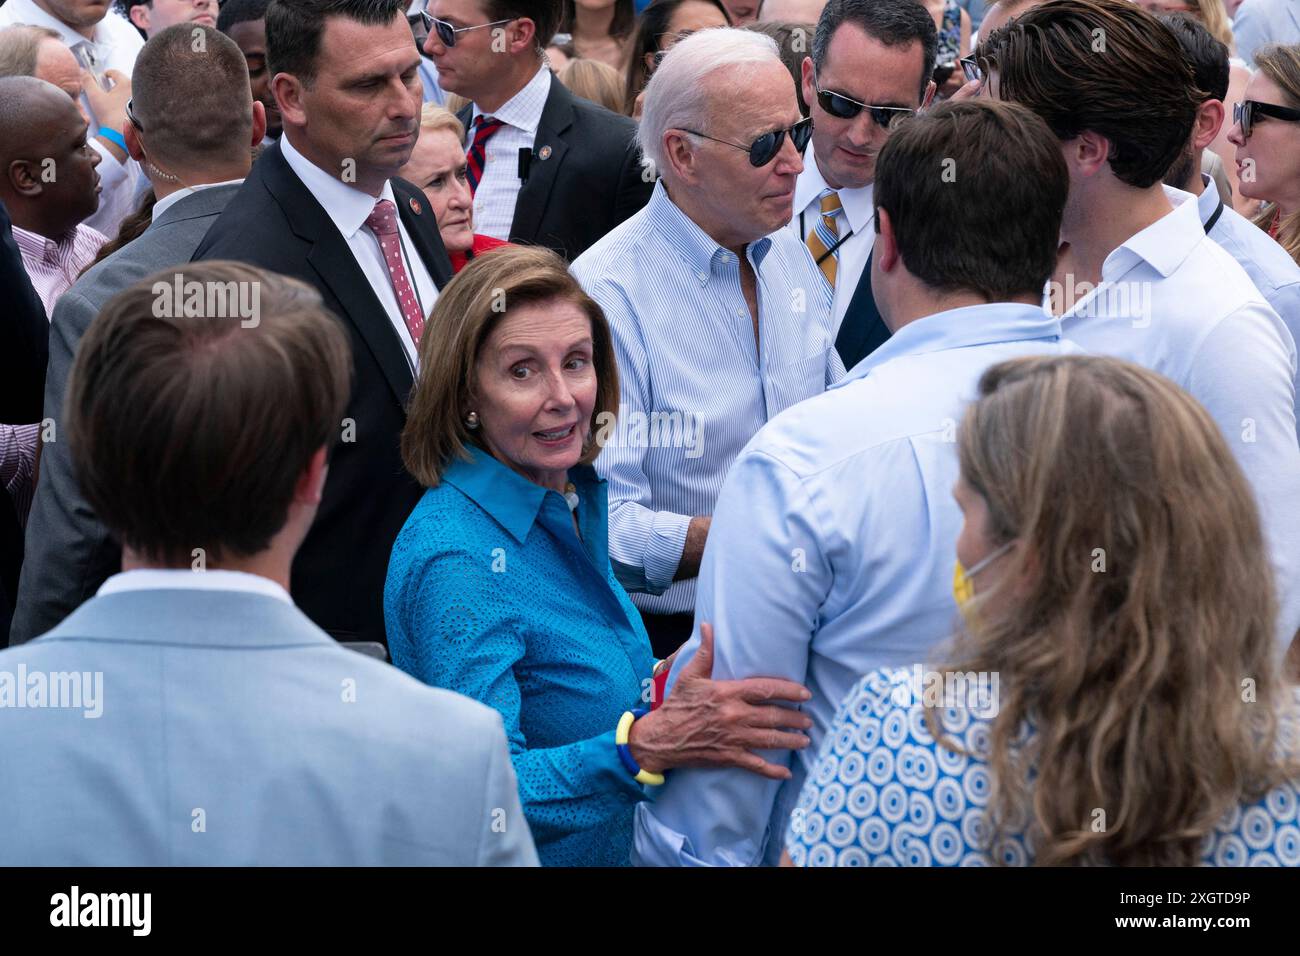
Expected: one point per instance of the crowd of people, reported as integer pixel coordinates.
(600, 433)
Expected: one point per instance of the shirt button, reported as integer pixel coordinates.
(703, 276)
(740, 312)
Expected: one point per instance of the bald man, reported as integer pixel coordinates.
(40, 52)
(48, 182)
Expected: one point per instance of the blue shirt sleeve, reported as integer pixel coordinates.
(761, 585)
(461, 627)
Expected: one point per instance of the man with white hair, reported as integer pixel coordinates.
(730, 327)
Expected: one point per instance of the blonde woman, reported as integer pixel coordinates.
(1266, 133)
(595, 81)
(438, 166)
(1120, 700)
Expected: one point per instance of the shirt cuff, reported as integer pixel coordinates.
(600, 754)
(663, 552)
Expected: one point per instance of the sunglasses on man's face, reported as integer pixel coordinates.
(447, 32)
(764, 149)
(971, 69)
(844, 107)
(1248, 112)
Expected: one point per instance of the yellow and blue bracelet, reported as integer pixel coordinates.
(625, 753)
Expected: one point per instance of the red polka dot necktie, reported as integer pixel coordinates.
(476, 158)
(382, 221)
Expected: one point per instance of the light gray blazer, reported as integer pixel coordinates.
(233, 731)
(68, 552)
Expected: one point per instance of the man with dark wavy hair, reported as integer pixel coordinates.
(1137, 276)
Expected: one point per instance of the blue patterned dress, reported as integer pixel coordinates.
(884, 794)
(491, 594)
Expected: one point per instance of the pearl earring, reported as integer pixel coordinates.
(471, 420)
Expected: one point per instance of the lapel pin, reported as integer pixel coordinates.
(415, 206)
(544, 152)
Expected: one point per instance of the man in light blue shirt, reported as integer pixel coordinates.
(189, 714)
(1138, 278)
(1265, 21)
(833, 543)
(720, 318)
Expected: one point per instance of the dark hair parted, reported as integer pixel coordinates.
(1105, 66)
(975, 191)
(892, 22)
(190, 426)
(467, 311)
(1206, 55)
(294, 29)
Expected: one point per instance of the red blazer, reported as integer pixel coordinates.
(481, 245)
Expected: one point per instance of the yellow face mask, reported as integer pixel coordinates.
(963, 581)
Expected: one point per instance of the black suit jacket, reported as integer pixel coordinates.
(585, 176)
(276, 223)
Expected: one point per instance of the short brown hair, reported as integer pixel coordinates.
(465, 314)
(194, 108)
(189, 427)
(975, 191)
(1102, 65)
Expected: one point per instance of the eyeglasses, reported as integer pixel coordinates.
(844, 107)
(130, 115)
(1245, 113)
(971, 69)
(764, 149)
(447, 32)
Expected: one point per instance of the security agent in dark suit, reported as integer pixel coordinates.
(572, 180)
(349, 92)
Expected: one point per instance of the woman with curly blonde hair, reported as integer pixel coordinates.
(1115, 696)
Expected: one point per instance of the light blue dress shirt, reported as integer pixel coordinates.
(1174, 301)
(1265, 21)
(1275, 274)
(694, 385)
(831, 554)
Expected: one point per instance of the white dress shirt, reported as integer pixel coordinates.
(684, 340)
(1275, 274)
(831, 553)
(348, 208)
(114, 45)
(1173, 300)
(498, 189)
(859, 216)
(217, 579)
(171, 199)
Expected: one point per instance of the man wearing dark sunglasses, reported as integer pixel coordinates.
(868, 74)
(718, 315)
(545, 167)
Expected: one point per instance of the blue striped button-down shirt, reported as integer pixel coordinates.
(694, 385)
(831, 554)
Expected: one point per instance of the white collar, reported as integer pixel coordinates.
(171, 199)
(524, 109)
(347, 206)
(26, 11)
(859, 207)
(1166, 243)
(181, 579)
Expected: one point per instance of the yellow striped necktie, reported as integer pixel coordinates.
(824, 234)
